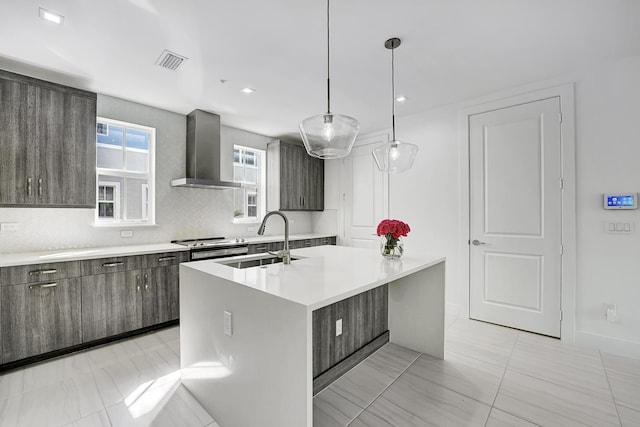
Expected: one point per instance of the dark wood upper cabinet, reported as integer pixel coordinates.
(295, 180)
(47, 144)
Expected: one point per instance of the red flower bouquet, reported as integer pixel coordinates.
(392, 230)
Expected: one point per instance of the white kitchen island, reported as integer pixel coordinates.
(261, 375)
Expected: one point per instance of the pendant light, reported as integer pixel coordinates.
(329, 136)
(394, 156)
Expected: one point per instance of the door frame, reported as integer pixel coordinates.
(566, 93)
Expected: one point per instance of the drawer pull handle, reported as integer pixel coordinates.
(38, 272)
(166, 258)
(137, 283)
(112, 264)
(39, 187)
(307, 243)
(261, 248)
(44, 285)
(29, 189)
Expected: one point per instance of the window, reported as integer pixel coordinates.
(126, 173)
(248, 169)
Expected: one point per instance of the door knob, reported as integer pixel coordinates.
(477, 242)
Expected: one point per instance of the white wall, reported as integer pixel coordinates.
(180, 212)
(608, 152)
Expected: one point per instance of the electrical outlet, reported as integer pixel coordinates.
(228, 328)
(338, 327)
(610, 312)
(126, 233)
(9, 226)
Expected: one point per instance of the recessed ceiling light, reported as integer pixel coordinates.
(51, 17)
(401, 98)
(248, 90)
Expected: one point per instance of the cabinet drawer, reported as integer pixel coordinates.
(112, 265)
(165, 259)
(39, 272)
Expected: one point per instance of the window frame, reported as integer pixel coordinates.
(259, 189)
(149, 176)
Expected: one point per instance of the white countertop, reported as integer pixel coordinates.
(8, 260)
(323, 275)
(74, 254)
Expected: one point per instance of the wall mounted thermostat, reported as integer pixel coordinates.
(621, 201)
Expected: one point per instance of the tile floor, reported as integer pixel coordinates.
(491, 376)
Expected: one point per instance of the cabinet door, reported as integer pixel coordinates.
(40, 317)
(79, 147)
(51, 158)
(314, 191)
(16, 141)
(291, 165)
(111, 304)
(161, 295)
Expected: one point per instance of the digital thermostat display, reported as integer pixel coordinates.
(621, 201)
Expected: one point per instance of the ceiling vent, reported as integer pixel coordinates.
(170, 60)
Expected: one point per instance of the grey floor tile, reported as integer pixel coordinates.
(164, 406)
(489, 343)
(412, 401)
(498, 418)
(628, 417)
(468, 376)
(624, 378)
(362, 384)
(53, 405)
(332, 410)
(550, 404)
(393, 359)
(97, 419)
(566, 365)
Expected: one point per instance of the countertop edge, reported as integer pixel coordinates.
(78, 254)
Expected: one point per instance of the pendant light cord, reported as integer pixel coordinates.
(393, 96)
(328, 75)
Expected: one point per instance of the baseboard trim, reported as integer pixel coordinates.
(608, 344)
(327, 377)
(84, 346)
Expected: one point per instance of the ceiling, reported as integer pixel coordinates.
(451, 50)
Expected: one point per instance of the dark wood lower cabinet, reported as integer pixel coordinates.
(111, 304)
(161, 295)
(40, 317)
(364, 318)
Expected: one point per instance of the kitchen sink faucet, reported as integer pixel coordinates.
(284, 253)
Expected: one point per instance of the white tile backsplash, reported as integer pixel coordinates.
(180, 212)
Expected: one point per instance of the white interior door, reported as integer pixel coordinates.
(366, 194)
(515, 216)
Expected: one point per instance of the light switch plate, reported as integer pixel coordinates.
(619, 227)
(228, 327)
(9, 226)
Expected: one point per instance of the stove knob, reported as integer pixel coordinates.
(241, 240)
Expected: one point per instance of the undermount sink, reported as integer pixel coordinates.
(262, 261)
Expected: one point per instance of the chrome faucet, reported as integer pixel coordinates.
(284, 253)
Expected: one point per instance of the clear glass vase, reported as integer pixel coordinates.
(391, 248)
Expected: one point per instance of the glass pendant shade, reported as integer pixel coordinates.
(329, 136)
(395, 156)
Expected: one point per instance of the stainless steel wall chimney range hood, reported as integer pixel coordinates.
(203, 153)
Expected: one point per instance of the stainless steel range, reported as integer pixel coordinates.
(214, 247)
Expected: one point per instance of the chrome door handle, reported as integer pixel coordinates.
(477, 242)
(44, 285)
